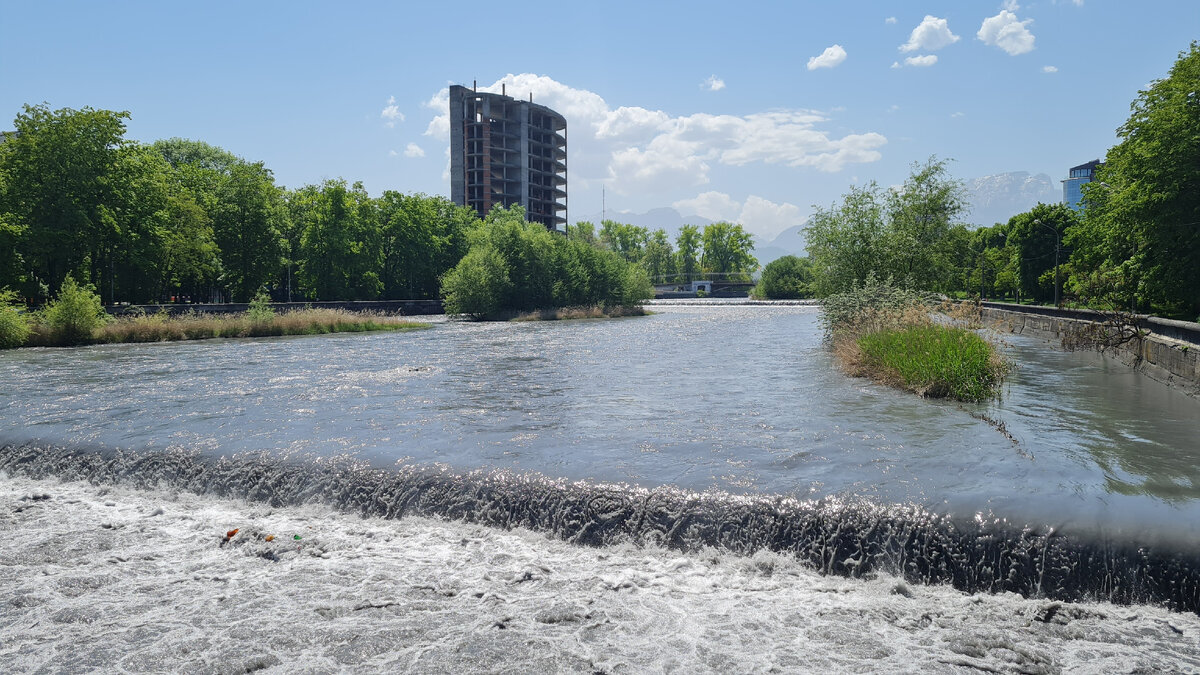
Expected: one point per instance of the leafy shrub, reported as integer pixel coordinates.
(514, 266)
(260, 310)
(14, 324)
(73, 317)
(785, 278)
(873, 305)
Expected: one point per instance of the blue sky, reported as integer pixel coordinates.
(740, 110)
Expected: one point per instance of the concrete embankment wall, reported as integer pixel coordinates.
(1169, 351)
(392, 307)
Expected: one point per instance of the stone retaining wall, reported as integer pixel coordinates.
(1169, 352)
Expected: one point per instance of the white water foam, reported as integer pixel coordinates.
(109, 578)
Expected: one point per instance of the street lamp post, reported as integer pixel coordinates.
(1057, 246)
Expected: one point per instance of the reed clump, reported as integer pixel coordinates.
(889, 334)
(586, 312)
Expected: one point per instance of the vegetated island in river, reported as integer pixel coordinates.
(889, 334)
(76, 317)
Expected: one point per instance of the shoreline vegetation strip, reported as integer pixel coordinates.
(161, 328)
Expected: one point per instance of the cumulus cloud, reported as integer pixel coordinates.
(392, 113)
(392, 153)
(1049, 69)
(633, 149)
(890, 19)
(829, 58)
(1010, 5)
(713, 83)
(1007, 32)
(929, 35)
(921, 61)
(413, 150)
(757, 215)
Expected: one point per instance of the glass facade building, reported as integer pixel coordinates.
(1072, 186)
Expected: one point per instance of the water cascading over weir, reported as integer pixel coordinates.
(854, 538)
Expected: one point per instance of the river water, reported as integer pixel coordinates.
(723, 425)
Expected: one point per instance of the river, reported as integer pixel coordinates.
(697, 426)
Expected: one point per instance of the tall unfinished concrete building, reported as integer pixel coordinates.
(505, 151)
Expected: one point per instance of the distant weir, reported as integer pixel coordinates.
(853, 538)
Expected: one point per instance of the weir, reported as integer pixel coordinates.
(852, 538)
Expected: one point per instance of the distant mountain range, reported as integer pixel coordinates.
(992, 199)
(995, 199)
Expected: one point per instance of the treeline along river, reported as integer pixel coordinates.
(698, 426)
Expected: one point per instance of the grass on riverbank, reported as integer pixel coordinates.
(163, 328)
(590, 312)
(889, 335)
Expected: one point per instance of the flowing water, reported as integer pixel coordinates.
(726, 426)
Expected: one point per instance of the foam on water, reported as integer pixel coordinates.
(853, 538)
(101, 577)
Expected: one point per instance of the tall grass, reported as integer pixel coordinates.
(889, 334)
(163, 328)
(588, 312)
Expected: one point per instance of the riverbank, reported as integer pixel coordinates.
(162, 327)
(101, 576)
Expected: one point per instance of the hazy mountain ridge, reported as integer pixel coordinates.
(996, 198)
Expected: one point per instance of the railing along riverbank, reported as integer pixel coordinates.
(1167, 350)
(391, 307)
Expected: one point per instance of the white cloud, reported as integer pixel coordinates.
(890, 19)
(392, 153)
(413, 150)
(896, 64)
(958, 114)
(829, 58)
(1007, 32)
(637, 150)
(929, 35)
(1049, 69)
(712, 205)
(392, 113)
(1010, 5)
(757, 215)
(921, 61)
(713, 83)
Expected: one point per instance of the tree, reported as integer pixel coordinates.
(582, 231)
(785, 278)
(909, 234)
(688, 256)
(1037, 238)
(1140, 240)
(846, 241)
(627, 241)
(339, 244)
(920, 218)
(246, 223)
(56, 170)
(727, 251)
(659, 258)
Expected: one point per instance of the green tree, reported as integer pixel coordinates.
(727, 252)
(627, 241)
(687, 258)
(339, 244)
(921, 215)
(1140, 239)
(56, 187)
(846, 241)
(784, 278)
(582, 231)
(659, 258)
(1037, 238)
(246, 219)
